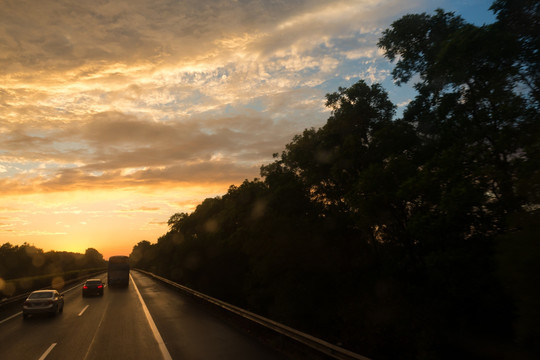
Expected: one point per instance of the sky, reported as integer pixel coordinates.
(117, 114)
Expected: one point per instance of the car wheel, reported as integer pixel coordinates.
(25, 316)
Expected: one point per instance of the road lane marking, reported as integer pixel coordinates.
(83, 310)
(11, 317)
(96, 332)
(47, 352)
(157, 336)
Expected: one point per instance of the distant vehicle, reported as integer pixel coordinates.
(118, 271)
(43, 301)
(93, 287)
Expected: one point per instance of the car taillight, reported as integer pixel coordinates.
(100, 286)
(85, 287)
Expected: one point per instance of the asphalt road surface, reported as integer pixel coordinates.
(147, 320)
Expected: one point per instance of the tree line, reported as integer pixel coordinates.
(412, 237)
(25, 267)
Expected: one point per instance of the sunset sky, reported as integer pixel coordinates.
(116, 114)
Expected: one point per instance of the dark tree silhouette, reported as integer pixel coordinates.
(398, 238)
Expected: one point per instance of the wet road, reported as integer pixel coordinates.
(147, 320)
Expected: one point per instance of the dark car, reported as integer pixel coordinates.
(93, 287)
(43, 301)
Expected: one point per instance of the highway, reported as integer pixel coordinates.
(147, 320)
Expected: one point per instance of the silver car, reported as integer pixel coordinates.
(43, 301)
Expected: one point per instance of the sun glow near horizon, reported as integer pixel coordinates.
(115, 116)
(111, 221)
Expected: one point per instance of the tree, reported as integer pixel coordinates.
(478, 129)
(328, 160)
(93, 258)
(472, 117)
(521, 20)
(389, 235)
(143, 255)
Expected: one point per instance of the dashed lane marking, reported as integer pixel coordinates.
(47, 352)
(83, 310)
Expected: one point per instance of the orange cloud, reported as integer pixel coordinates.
(114, 116)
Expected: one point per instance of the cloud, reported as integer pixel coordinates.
(115, 149)
(117, 93)
(119, 113)
(115, 114)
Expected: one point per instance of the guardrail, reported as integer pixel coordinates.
(19, 298)
(324, 350)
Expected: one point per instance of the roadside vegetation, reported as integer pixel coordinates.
(24, 268)
(397, 238)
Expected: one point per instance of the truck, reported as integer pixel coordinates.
(118, 271)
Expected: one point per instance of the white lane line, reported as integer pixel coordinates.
(47, 352)
(83, 310)
(96, 332)
(11, 317)
(157, 336)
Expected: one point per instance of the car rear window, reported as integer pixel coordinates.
(94, 282)
(41, 295)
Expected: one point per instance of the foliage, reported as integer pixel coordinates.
(398, 238)
(29, 264)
